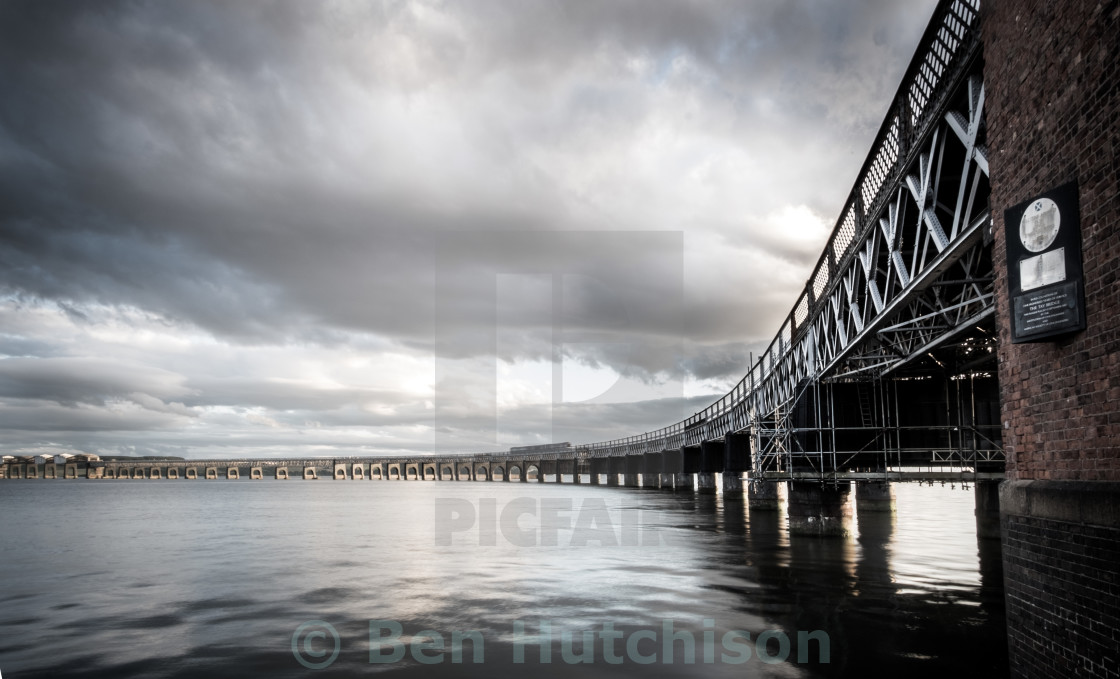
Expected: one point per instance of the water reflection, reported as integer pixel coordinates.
(179, 579)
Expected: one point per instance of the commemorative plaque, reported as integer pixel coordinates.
(1044, 275)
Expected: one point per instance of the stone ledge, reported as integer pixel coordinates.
(1095, 503)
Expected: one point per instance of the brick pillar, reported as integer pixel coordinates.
(1053, 117)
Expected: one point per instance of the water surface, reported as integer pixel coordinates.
(192, 578)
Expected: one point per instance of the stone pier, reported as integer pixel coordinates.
(819, 509)
(878, 496)
(616, 465)
(732, 486)
(987, 509)
(632, 477)
(599, 466)
(652, 464)
(705, 482)
(763, 495)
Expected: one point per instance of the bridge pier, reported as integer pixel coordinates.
(617, 466)
(705, 482)
(711, 462)
(987, 509)
(732, 486)
(211, 473)
(191, 473)
(281, 473)
(816, 509)
(763, 495)
(571, 466)
(632, 478)
(666, 481)
(682, 482)
(309, 473)
(173, 473)
(878, 496)
(652, 464)
(233, 473)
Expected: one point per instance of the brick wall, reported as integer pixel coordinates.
(1053, 115)
(1078, 638)
(1053, 112)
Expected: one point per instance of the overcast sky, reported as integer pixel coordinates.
(360, 228)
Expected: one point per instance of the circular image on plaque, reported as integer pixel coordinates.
(1040, 224)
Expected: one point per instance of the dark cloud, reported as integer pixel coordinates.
(357, 178)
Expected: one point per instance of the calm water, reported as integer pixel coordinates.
(181, 579)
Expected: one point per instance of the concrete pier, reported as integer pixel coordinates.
(667, 481)
(763, 495)
(705, 482)
(682, 482)
(630, 480)
(878, 496)
(819, 509)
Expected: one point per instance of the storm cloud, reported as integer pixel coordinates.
(271, 227)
